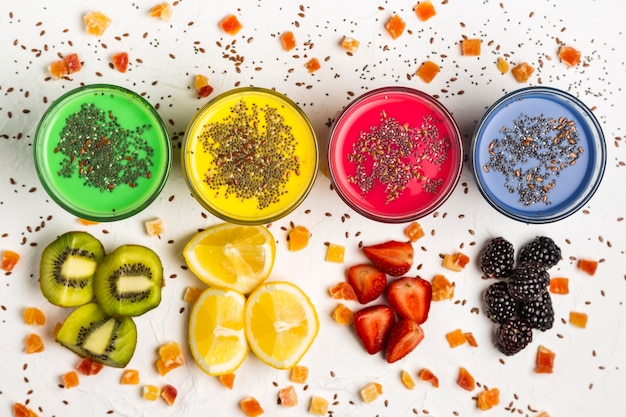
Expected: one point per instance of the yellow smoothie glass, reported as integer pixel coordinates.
(250, 156)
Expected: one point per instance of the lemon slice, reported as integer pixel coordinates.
(216, 331)
(231, 256)
(280, 324)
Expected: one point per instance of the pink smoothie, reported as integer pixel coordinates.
(395, 154)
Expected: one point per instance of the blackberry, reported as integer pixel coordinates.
(528, 282)
(538, 313)
(499, 305)
(543, 250)
(498, 258)
(512, 336)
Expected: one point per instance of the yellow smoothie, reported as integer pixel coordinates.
(250, 156)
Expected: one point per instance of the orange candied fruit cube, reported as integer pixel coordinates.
(162, 11)
(154, 227)
(522, 72)
(151, 392)
(350, 44)
(170, 357)
(442, 288)
(427, 71)
(231, 25)
(96, 23)
(544, 361)
(426, 375)
(318, 406)
(587, 265)
(425, 10)
(488, 398)
(335, 253)
(455, 262)
(299, 374)
(130, 377)
(288, 40)
(569, 55)
(371, 391)
(58, 69)
(33, 315)
(471, 47)
(578, 319)
(251, 407)
(169, 394)
(70, 379)
(203, 88)
(407, 380)
(559, 285)
(471, 340)
(120, 61)
(313, 64)
(456, 338)
(414, 232)
(20, 410)
(72, 63)
(87, 366)
(33, 344)
(228, 380)
(288, 396)
(342, 291)
(465, 380)
(502, 65)
(298, 238)
(343, 315)
(395, 26)
(191, 294)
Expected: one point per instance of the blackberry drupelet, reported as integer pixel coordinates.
(543, 250)
(528, 282)
(539, 313)
(499, 305)
(512, 336)
(498, 258)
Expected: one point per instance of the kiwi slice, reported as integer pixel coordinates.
(128, 281)
(67, 268)
(91, 333)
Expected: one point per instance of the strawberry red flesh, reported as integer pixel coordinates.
(404, 336)
(410, 298)
(393, 258)
(367, 281)
(372, 325)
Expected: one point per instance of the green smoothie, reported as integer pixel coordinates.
(102, 152)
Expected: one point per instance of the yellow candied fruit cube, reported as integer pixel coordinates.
(130, 377)
(455, 262)
(318, 406)
(350, 44)
(201, 81)
(162, 11)
(298, 238)
(442, 288)
(299, 374)
(343, 315)
(151, 392)
(154, 227)
(288, 396)
(335, 253)
(70, 379)
(407, 380)
(502, 65)
(578, 319)
(170, 357)
(58, 70)
(371, 391)
(96, 23)
(456, 338)
(191, 294)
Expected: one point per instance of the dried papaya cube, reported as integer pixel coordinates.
(456, 338)
(313, 64)
(20, 410)
(442, 288)
(151, 392)
(395, 26)
(162, 11)
(96, 23)
(471, 340)
(455, 262)
(471, 47)
(587, 265)
(407, 380)
(299, 374)
(544, 361)
(559, 285)
(169, 393)
(130, 377)
(342, 291)
(288, 40)
(427, 71)
(335, 253)
(72, 63)
(228, 380)
(371, 391)
(87, 366)
(33, 344)
(425, 10)
(298, 238)
(58, 69)
(465, 380)
(426, 375)
(502, 65)
(70, 379)
(488, 398)
(251, 407)
(318, 406)
(350, 44)
(569, 55)
(154, 227)
(343, 315)
(231, 25)
(578, 319)
(120, 61)
(414, 231)
(522, 72)
(33, 315)
(191, 294)
(171, 355)
(288, 396)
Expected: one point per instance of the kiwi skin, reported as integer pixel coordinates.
(91, 333)
(67, 268)
(128, 281)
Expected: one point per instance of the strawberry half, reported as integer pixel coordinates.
(393, 258)
(410, 298)
(367, 281)
(405, 335)
(372, 325)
